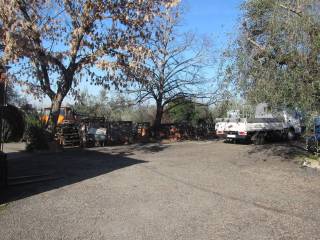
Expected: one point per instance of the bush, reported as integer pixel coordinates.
(37, 138)
(13, 123)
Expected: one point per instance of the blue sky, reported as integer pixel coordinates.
(216, 18)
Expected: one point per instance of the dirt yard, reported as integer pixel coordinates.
(191, 190)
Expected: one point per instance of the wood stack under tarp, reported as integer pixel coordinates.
(184, 131)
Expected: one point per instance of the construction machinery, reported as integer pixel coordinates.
(66, 115)
(74, 129)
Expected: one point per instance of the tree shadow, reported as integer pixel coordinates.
(36, 173)
(148, 148)
(286, 151)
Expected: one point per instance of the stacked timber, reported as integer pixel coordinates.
(68, 135)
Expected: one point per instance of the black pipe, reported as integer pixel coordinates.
(3, 157)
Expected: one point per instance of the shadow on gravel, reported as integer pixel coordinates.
(141, 147)
(36, 173)
(287, 151)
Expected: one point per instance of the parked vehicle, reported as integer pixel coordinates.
(264, 124)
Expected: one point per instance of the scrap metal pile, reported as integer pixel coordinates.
(100, 132)
(76, 129)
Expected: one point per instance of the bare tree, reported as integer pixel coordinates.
(55, 43)
(175, 67)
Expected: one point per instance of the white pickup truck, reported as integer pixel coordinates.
(282, 124)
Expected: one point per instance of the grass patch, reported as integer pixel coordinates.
(313, 157)
(3, 207)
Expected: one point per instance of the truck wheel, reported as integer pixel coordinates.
(260, 139)
(291, 135)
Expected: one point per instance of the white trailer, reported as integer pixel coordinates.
(263, 125)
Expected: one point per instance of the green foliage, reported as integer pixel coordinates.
(187, 111)
(36, 136)
(220, 110)
(276, 58)
(13, 123)
(93, 105)
(33, 119)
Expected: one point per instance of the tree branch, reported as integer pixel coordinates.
(293, 10)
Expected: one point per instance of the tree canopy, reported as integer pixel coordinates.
(187, 111)
(276, 56)
(175, 65)
(53, 44)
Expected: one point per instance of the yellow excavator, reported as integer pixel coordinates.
(66, 116)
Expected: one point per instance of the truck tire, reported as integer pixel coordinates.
(259, 139)
(262, 139)
(291, 135)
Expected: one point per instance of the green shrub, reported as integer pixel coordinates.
(13, 123)
(37, 138)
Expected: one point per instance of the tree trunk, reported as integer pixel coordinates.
(157, 121)
(54, 114)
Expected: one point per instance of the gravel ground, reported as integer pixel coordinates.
(191, 190)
